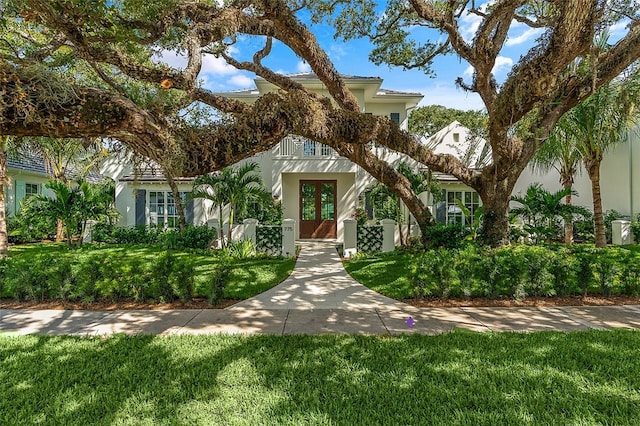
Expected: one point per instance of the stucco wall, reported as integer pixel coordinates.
(619, 180)
(16, 175)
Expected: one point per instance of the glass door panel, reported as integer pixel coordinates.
(327, 207)
(308, 194)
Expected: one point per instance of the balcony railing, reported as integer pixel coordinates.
(298, 146)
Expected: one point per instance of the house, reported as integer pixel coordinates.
(317, 187)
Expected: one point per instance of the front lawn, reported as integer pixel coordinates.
(590, 377)
(52, 271)
(386, 273)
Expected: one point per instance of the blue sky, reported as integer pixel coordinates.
(352, 58)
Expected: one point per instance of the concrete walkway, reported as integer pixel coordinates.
(318, 298)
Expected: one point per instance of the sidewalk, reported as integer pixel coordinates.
(318, 298)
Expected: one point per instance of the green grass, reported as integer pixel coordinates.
(464, 378)
(386, 273)
(247, 278)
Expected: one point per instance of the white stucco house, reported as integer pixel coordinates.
(317, 188)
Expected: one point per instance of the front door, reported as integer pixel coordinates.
(318, 209)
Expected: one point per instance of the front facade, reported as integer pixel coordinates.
(318, 188)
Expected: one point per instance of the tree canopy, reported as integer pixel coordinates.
(88, 68)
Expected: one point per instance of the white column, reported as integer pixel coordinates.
(215, 224)
(350, 237)
(621, 232)
(288, 237)
(250, 229)
(88, 231)
(388, 235)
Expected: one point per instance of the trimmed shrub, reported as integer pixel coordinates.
(524, 270)
(447, 236)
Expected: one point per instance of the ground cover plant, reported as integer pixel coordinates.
(590, 377)
(515, 272)
(40, 272)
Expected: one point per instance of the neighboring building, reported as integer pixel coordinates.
(27, 177)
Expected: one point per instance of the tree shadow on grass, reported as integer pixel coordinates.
(456, 378)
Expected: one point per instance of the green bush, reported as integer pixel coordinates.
(524, 270)
(447, 236)
(243, 249)
(218, 281)
(88, 275)
(192, 237)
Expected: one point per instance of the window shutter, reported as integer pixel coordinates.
(188, 214)
(141, 207)
(21, 192)
(441, 212)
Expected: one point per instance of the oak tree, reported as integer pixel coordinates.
(86, 68)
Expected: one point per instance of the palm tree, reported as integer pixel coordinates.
(560, 152)
(74, 204)
(66, 158)
(599, 123)
(540, 209)
(236, 187)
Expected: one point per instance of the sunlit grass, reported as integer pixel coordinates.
(590, 377)
(387, 274)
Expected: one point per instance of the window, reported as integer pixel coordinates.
(456, 137)
(455, 214)
(395, 117)
(163, 212)
(31, 189)
(309, 149)
(23, 191)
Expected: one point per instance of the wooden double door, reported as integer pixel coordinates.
(318, 210)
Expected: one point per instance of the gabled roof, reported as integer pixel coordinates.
(27, 162)
(32, 162)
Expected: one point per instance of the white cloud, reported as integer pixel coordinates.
(469, 71)
(217, 66)
(303, 67)
(171, 58)
(502, 63)
(240, 80)
(524, 37)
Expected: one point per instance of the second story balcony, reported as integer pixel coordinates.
(293, 146)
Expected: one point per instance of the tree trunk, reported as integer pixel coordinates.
(593, 168)
(182, 221)
(59, 230)
(566, 180)
(495, 203)
(4, 238)
(230, 232)
(568, 224)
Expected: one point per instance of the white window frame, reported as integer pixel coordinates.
(168, 218)
(455, 215)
